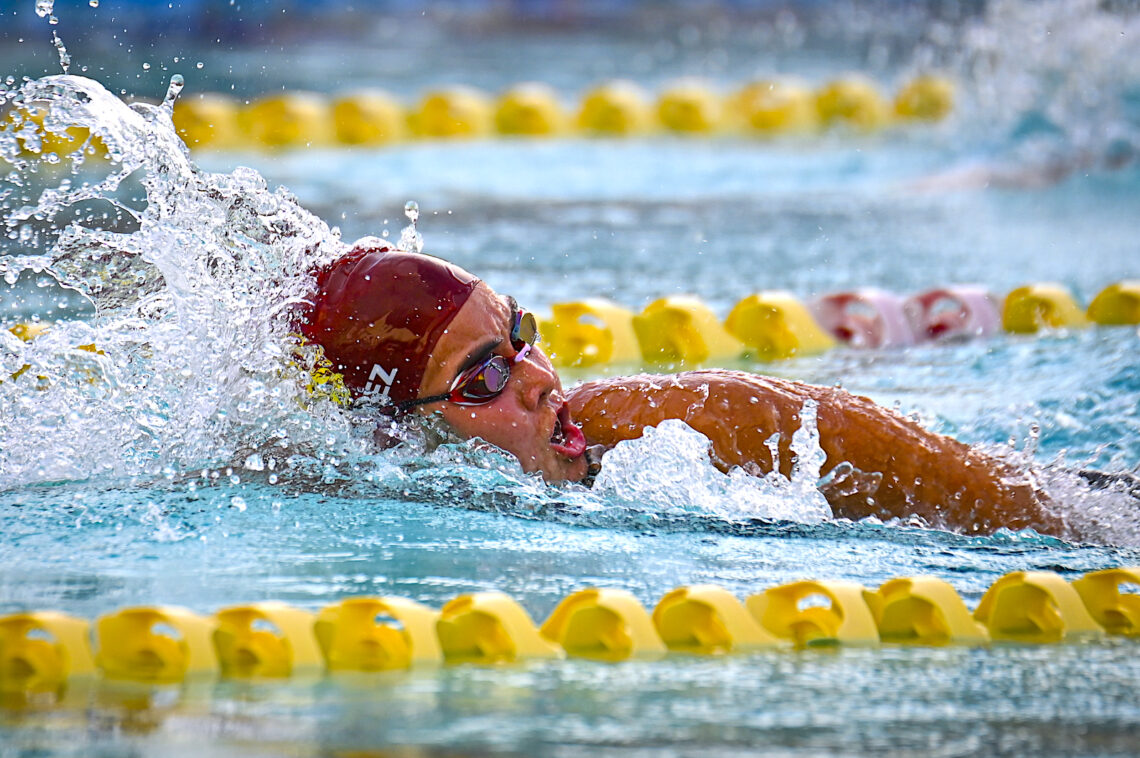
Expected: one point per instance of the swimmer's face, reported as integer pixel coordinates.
(530, 418)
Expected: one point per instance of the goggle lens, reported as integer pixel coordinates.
(524, 333)
(484, 382)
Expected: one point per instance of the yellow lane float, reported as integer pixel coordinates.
(619, 108)
(155, 644)
(816, 613)
(1040, 306)
(454, 112)
(927, 97)
(28, 331)
(923, 610)
(774, 325)
(82, 362)
(690, 106)
(1117, 304)
(682, 329)
(208, 120)
(854, 101)
(530, 109)
(490, 627)
(37, 135)
(775, 106)
(377, 633)
(292, 119)
(1117, 612)
(1035, 606)
(603, 624)
(709, 620)
(616, 109)
(368, 117)
(265, 640)
(590, 332)
(39, 651)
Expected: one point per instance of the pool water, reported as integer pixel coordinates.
(185, 466)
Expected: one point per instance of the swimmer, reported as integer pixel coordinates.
(433, 340)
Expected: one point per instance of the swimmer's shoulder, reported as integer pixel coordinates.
(723, 387)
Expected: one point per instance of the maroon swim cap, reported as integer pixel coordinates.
(378, 313)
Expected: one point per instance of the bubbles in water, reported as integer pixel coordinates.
(93, 3)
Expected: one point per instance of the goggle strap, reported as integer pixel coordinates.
(409, 404)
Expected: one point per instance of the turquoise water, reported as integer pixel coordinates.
(188, 474)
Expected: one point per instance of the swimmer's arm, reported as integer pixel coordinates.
(906, 470)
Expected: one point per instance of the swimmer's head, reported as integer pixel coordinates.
(378, 313)
(439, 342)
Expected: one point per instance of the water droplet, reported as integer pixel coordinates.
(199, 64)
(64, 58)
(172, 91)
(410, 238)
(93, 3)
(146, 67)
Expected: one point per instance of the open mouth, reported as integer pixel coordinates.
(567, 438)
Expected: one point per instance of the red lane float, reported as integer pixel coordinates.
(867, 317)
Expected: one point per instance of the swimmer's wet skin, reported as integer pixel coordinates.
(900, 469)
(435, 340)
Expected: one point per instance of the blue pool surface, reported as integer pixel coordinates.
(154, 489)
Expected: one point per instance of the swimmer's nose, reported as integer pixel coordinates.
(539, 379)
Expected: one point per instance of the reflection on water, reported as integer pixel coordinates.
(897, 699)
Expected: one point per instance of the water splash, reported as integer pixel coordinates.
(410, 237)
(669, 469)
(46, 9)
(177, 82)
(188, 360)
(1054, 83)
(64, 57)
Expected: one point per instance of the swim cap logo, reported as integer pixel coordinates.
(387, 377)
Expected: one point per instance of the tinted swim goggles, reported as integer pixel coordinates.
(487, 379)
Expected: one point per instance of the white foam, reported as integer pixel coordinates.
(668, 468)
